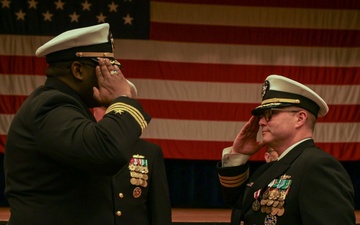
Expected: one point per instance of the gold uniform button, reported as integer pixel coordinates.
(121, 195)
(118, 213)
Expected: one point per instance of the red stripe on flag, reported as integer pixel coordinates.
(2, 143)
(212, 150)
(10, 103)
(202, 71)
(237, 73)
(320, 4)
(212, 111)
(254, 35)
(24, 65)
(231, 111)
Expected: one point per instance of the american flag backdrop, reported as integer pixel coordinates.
(199, 64)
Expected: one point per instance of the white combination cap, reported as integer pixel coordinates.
(279, 91)
(86, 42)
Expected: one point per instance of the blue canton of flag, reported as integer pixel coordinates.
(128, 19)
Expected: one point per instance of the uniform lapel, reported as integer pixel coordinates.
(272, 171)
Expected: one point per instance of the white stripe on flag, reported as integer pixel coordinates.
(222, 130)
(253, 16)
(236, 54)
(193, 91)
(227, 131)
(205, 53)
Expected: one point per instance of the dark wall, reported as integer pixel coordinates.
(195, 184)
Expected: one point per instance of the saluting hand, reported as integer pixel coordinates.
(112, 83)
(245, 142)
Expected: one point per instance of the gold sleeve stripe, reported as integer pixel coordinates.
(236, 177)
(120, 107)
(231, 185)
(232, 181)
(235, 182)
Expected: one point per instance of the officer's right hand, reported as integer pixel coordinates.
(111, 81)
(245, 142)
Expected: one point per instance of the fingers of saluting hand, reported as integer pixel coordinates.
(111, 83)
(251, 128)
(106, 70)
(245, 142)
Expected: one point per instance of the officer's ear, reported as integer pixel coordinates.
(301, 117)
(77, 70)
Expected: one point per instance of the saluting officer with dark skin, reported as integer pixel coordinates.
(59, 162)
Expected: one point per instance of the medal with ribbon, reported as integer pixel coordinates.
(256, 203)
(273, 199)
(139, 170)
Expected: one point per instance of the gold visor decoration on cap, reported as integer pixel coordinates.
(94, 54)
(100, 55)
(280, 100)
(115, 62)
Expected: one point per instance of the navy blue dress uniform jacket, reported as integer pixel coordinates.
(320, 193)
(147, 203)
(59, 163)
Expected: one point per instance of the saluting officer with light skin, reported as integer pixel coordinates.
(305, 185)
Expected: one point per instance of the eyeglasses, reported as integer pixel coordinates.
(267, 115)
